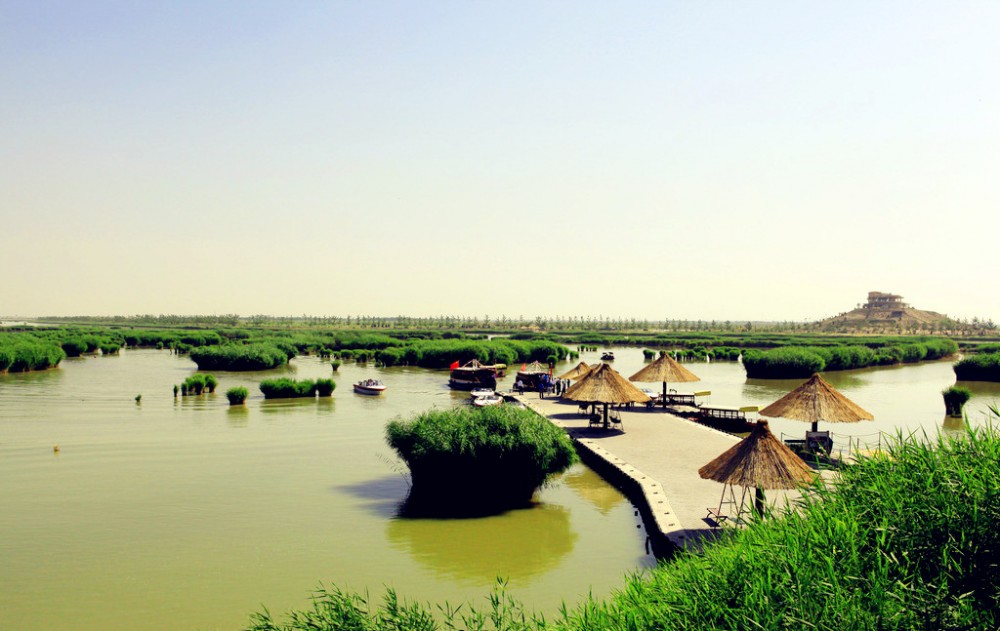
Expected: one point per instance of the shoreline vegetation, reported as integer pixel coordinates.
(891, 544)
(802, 361)
(765, 354)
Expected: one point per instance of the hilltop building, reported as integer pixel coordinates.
(886, 311)
(885, 306)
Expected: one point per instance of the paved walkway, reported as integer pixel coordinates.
(662, 453)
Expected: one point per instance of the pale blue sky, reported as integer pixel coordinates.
(715, 160)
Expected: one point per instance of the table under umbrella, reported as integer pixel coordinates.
(603, 384)
(664, 369)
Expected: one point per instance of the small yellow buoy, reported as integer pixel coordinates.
(55, 449)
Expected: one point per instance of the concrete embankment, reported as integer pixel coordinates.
(654, 460)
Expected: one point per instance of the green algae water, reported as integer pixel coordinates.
(189, 514)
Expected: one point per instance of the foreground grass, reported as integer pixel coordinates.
(907, 540)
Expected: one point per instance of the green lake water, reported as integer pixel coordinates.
(187, 514)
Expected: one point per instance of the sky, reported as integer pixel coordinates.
(657, 160)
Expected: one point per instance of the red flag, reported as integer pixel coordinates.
(454, 365)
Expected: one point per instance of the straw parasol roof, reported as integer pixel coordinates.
(664, 369)
(603, 384)
(576, 372)
(814, 401)
(760, 460)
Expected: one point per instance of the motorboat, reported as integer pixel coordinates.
(608, 356)
(475, 393)
(487, 400)
(370, 387)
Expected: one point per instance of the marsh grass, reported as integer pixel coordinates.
(199, 383)
(492, 458)
(285, 388)
(325, 387)
(955, 399)
(237, 395)
(240, 356)
(980, 367)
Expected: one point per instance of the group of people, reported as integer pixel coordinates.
(545, 384)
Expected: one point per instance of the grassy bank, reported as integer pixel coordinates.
(903, 541)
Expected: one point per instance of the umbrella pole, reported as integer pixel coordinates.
(605, 416)
(664, 395)
(815, 426)
(759, 502)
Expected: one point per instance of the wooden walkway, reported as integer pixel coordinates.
(657, 455)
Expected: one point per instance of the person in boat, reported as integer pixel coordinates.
(519, 386)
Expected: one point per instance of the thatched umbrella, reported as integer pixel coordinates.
(664, 369)
(576, 372)
(815, 401)
(760, 460)
(604, 385)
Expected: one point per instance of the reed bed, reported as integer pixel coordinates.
(285, 388)
(478, 459)
(955, 399)
(24, 353)
(239, 357)
(801, 361)
(981, 367)
(237, 395)
(198, 383)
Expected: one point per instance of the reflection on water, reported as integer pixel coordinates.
(238, 415)
(594, 489)
(482, 549)
(982, 388)
(953, 423)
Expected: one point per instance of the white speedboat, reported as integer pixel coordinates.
(369, 386)
(475, 393)
(488, 400)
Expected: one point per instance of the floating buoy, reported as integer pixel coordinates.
(55, 449)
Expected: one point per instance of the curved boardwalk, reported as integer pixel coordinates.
(658, 455)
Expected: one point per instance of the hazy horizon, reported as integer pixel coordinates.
(768, 161)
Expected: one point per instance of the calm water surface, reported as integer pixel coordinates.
(186, 514)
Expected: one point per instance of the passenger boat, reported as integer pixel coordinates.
(369, 386)
(473, 375)
(532, 375)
